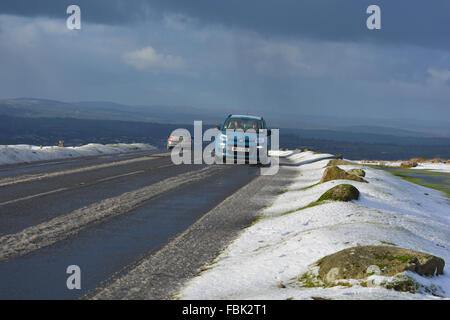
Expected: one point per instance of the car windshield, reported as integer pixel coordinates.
(243, 124)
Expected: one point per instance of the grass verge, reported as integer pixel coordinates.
(406, 175)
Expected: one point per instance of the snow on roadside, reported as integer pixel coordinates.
(24, 153)
(267, 258)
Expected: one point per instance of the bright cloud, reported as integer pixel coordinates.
(438, 77)
(243, 68)
(148, 58)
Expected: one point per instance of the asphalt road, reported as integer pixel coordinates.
(137, 225)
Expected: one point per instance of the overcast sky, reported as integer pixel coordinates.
(268, 57)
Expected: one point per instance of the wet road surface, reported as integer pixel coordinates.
(37, 200)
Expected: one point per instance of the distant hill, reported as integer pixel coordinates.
(39, 108)
(104, 110)
(76, 132)
(40, 121)
(101, 110)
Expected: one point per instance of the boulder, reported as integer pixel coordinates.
(408, 164)
(357, 172)
(335, 173)
(342, 192)
(363, 261)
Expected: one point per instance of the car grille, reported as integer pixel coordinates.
(251, 151)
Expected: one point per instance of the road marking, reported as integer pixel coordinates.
(33, 196)
(64, 189)
(119, 176)
(84, 184)
(27, 178)
(62, 227)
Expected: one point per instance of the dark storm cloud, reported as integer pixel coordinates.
(109, 12)
(418, 22)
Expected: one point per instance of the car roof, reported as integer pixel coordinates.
(240, 116)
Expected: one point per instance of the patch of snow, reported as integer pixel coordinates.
(10, 154)
(267, 259)
(379, 163)
(281, 153)
(436, 167)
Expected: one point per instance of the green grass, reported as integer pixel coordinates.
(403, 259)
(257, 219)
(381, 266)
(327, 196)
(307, 187)
(307, 280)
(440, 187)
(312, 204)
(342, 192)
(406, 285)
(388, 243)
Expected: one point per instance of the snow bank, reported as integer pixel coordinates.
(24, 153)
(268, 257)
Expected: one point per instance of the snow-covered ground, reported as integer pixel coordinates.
(379, 163)
(24, 153)
(437, 167)
(265, 261)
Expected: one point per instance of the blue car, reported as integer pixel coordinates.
(243, 138)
